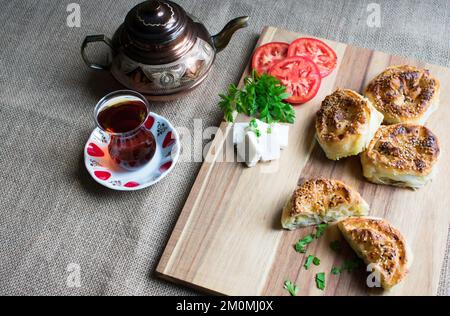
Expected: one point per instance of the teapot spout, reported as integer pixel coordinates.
(222, 39)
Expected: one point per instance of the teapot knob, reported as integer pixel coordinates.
(151, 6)
(155, 13)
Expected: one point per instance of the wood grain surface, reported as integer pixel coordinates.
(228, 239)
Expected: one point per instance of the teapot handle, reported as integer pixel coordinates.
(95, 39)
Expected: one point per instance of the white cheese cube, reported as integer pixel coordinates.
(249, 150)
(283, 135)
(270, 147)
(239, 130)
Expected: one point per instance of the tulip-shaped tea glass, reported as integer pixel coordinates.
(122, 115)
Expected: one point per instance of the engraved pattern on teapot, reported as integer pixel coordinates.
(168, 76)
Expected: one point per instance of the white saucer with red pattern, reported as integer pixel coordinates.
(107, 173)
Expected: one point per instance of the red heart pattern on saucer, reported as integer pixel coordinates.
(106, 172)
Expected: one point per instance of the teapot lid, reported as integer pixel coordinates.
(156, 31)
(156, 21)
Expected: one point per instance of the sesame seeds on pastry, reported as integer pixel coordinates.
(378, 242)
(322, 200)
(403, 155)
(404, 94)
(345, 124)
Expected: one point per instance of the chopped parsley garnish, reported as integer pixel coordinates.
(261, 97)
(311, 260)
(348, 265)
(254, 128)
(320, 281)
(352, 264)
(320, 230)
(291, 288)
(336, 246)
(308, 262)
(336, 270)
(253, 123)
(301, 245)
(316, 261)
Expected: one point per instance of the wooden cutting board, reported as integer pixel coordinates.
(228, 239)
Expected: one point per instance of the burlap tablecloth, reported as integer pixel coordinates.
(53, 217)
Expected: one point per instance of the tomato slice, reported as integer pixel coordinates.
(300, 75)
(268, 55)
(319, 52)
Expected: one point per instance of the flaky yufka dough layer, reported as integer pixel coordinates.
(322, 200)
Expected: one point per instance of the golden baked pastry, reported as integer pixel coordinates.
(403, 155)
(377, 242)
(404, 94)
(322, 200)
(345, 124)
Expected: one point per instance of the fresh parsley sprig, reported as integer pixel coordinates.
(261, 97)
(291, 288)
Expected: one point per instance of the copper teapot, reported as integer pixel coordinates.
(161, 51)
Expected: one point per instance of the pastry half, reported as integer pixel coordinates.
(377, 242)
(322, 200)
(404, 94)
(402, 155)
(345, 124)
